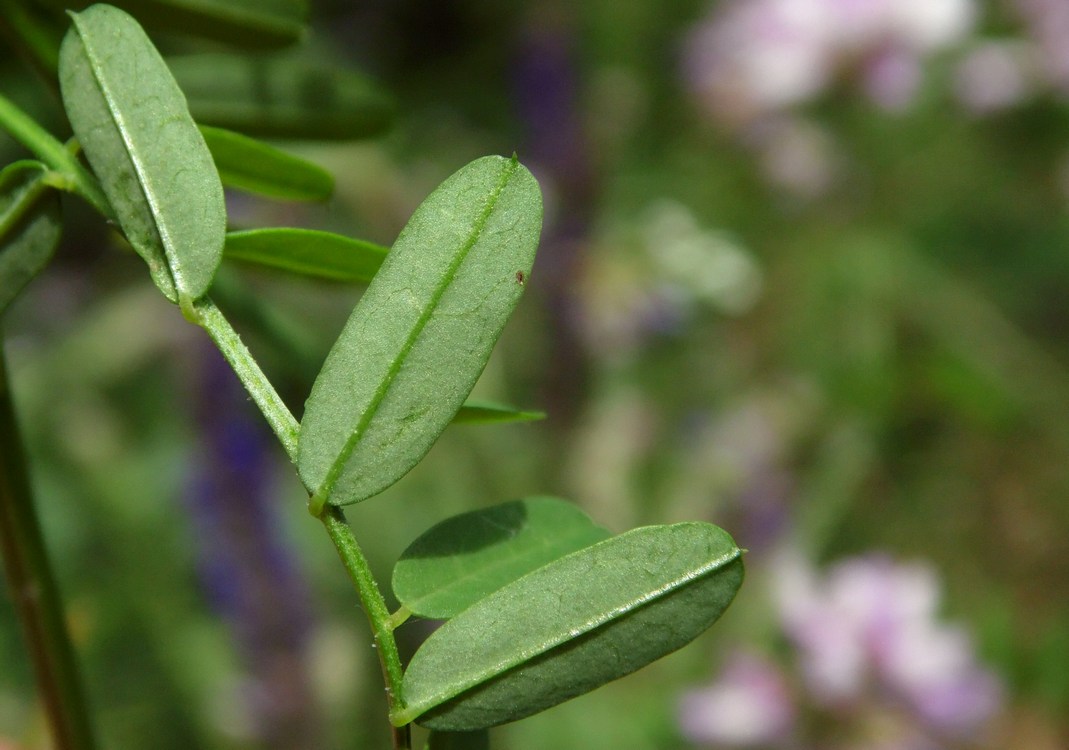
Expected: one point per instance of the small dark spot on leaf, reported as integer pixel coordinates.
(521, 278)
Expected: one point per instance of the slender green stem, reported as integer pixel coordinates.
(204, 313)
(375, 608)
(35, 594)
(58, 156)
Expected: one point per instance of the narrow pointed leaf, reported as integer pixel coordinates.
(465, 558)
(257, 167)
(487, 412)
(309, 252)
(422, 332)
(30, 226)
(282, 97)
(571, 626)
(132, 122)
(254, 24)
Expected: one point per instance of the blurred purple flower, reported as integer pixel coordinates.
(749, 705)
(870, 627)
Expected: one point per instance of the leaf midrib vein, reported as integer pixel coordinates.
(166, 241)
(327, 486)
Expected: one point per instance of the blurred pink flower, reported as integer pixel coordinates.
(869, 626)
(749, 58)
(749, 705)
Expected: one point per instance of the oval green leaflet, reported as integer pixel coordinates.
(572, 626)
(421, 334)
(309, 252)
(462, 559)
(132, 122)
(30, 226)
(256, 167)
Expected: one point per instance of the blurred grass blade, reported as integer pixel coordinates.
(282, 97)
(487, 412)
(422, 333)
(571, 626)
(251, 24)
(462, 559)
(30, 226)
(257, 167)
(308, 252)
(478, 740)
(131, 119)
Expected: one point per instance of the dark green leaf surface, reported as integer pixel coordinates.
(132, 122)
(308, 252)
(30, 227)
(461, 560)
(254, 24)
(422, 333)
(488, 412)
(571, 626)
(257, 167)
(282, 97)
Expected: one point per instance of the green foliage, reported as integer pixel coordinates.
(461, 560)
(246, 23)
(131, 119)
(572, 625)
(257, 167)
(282, 96)
(478, 411)
(308, 252)
(422, 333)
(541, 603)
(30, 226)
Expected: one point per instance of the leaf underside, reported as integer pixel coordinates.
(132, 122)
(422, 332)
(571, 626)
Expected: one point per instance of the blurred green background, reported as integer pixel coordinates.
(805, 274)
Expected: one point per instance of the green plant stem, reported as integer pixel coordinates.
(34, 591)
(204, 313)
(377, 614)
(56, 155)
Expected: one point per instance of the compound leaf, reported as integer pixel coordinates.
(571, 626)
(309, 252)
(30, 226)
(422, 332)
(257, 167)
(131, 119)
(462, 559)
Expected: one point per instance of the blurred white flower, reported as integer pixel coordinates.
(749, 705)
(749, 58)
